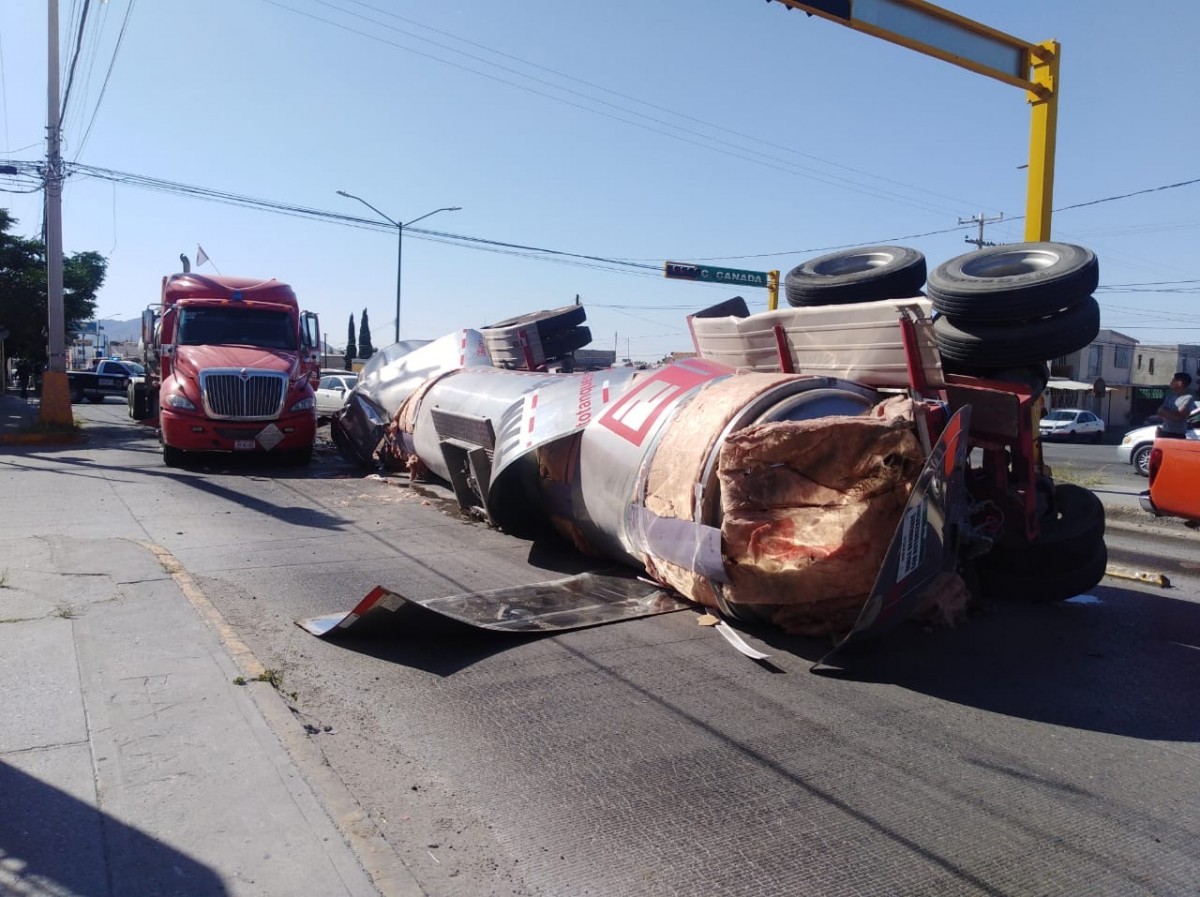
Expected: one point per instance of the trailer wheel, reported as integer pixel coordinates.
(1017, 344)
(547, 323)
(1013, 282)
(568, 341)
(1068, 532)
(856, 275)
(1071, 536)
(1051, 584)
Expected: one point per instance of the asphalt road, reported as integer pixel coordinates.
(1093, 463)
(1033, 750)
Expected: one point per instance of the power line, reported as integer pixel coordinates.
(1149, 283)
(91, 41)
(948, 230)
(1096, 202)
(108, 74)
(235, 199)
(594, 262)
(74, 60)
(741, 152)
(757, 138)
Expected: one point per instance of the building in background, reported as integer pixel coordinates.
(88, 344)
(594, 359)
(1153, 367)
(1097, 378)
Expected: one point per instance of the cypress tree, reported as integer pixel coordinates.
(365, 348)
(351, 349)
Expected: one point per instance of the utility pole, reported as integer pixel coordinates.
(979, 242)
(56, 401)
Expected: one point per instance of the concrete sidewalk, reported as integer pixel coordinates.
(132, 758)
(17, 416)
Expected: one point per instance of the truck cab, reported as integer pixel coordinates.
(231, 365)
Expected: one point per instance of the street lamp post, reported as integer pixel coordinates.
(399, 225)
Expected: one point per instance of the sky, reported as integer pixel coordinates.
(730, 132)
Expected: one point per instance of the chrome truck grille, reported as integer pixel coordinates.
(241, 394)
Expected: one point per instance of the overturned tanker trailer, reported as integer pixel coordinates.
(809, 469)
(761, 496)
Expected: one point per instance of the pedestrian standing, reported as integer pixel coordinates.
(1177, 408)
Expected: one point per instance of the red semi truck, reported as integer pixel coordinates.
(231, 363)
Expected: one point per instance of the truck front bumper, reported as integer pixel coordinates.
(191, 433)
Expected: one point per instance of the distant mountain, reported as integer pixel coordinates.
(122, 330)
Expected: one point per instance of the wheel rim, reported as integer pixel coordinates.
(1010, 264)
(1142, 462)
(853, 264)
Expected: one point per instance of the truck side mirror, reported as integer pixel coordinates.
(149, 318)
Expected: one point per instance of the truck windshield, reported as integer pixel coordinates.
(237, 326)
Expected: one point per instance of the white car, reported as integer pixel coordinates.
(1136, 444)
(1071, 424)
(332, 392)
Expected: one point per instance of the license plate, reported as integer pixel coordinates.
(107, 381)
(243, 445)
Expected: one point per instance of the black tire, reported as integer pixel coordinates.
(1013, 282)
(547, 323)
(1069, 532)
(173, 457)
(1016, 345)
(1051, 584)
(1141, 459)
(76, 395)
(856, 275)
(563, 343)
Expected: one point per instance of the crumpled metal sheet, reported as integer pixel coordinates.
(925, 546)
(559, 605)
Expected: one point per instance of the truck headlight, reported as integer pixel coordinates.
(178, 400)
(304, 404)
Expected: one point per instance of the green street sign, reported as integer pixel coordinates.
(710, 274)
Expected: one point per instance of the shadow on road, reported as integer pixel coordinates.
(52, 843)
(1117, 661)
(414, 637)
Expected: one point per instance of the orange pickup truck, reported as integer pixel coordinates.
(1174, 479)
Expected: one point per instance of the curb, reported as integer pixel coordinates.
(1135, 521)
(35, 438)
(383, 866)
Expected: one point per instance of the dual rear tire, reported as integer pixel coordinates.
(1067, 559)
(1014, 305)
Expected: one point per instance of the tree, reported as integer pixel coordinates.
(365, 349)
(23, 308)
(351, 349)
